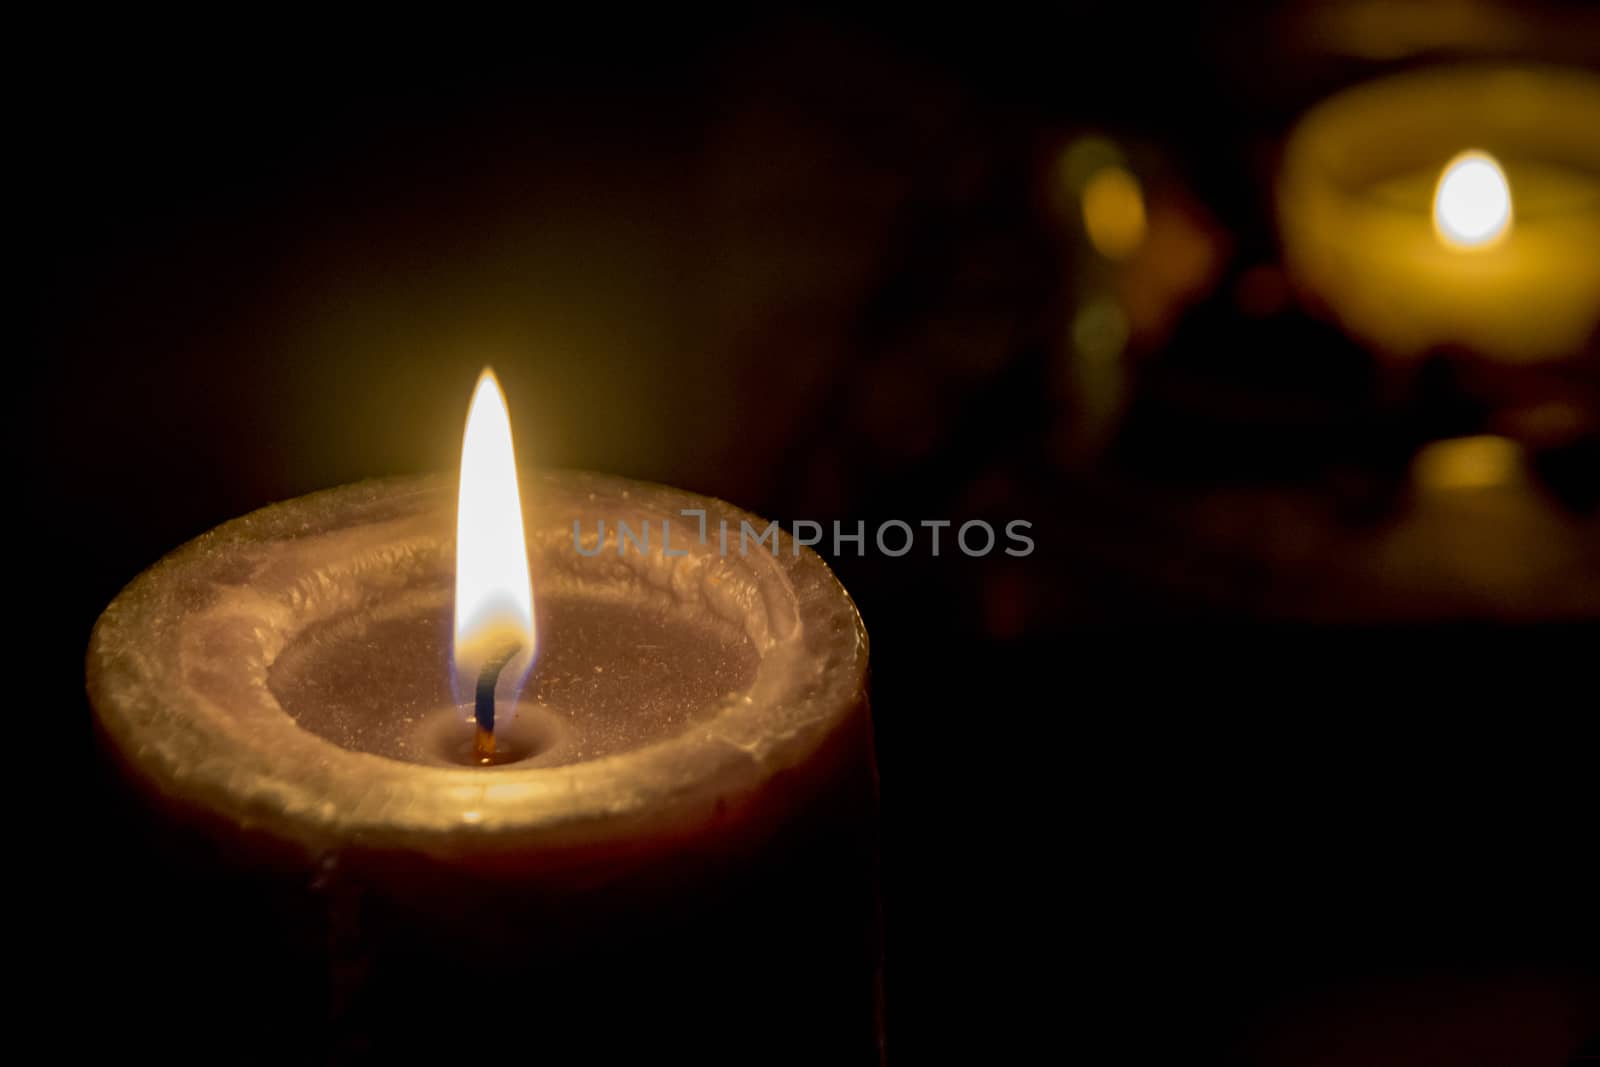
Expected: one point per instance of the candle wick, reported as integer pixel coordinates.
(488, 678)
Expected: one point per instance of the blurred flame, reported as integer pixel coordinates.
(494, 595)
(1113, 212)
(1472, 205)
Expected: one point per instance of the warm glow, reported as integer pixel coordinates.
(1113, 212)
(494, 595)
(1481, 462)
(1472, 205)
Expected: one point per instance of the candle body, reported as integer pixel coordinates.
(700, 881)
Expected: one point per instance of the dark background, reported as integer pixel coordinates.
(1230, 769)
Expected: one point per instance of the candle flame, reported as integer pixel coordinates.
(494, 595)
(1472, 204)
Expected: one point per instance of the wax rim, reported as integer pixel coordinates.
(255, 766)
(1443, 110)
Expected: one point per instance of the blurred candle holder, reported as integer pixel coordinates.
(1456, 207)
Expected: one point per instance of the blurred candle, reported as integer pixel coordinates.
(1451, 207)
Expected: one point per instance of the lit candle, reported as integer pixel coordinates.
(1456, 207)
(671, 846)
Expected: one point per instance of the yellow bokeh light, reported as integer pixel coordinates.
(1113, 212)
(1481, 462)
(1472, 204)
